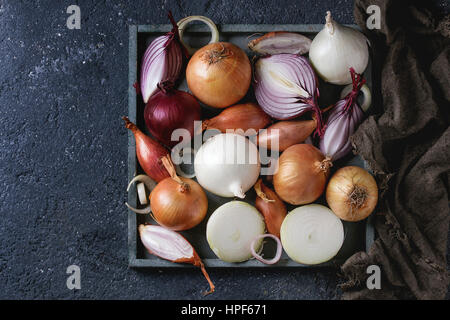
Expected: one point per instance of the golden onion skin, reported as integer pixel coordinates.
(302, 174)
(219, 74)
(352, 185)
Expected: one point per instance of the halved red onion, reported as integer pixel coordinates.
(342, 122)
(162, 61)
(286, 87)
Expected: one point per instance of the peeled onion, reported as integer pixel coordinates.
(227, 165)
(352, 193)
(312, 234)
(302, 174)
(231, 230)
(219, 74)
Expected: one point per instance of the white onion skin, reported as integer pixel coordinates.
(227, 179)
(312, 234)
(339, 190)
(232, 228)
(332, 53)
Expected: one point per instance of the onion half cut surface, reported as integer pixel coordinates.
(312, 234)
(232, 228)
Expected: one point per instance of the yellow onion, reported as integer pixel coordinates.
(178, 203)
(302, 174)
(219, 74)
(352, 193)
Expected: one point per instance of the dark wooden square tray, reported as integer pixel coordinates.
(358, 236)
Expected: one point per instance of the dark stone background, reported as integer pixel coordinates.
(63, 152)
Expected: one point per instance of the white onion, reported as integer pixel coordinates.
(337, 48)
(227, 165)
(312, 234)
(231, 229)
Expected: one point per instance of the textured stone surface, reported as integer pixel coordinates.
(63, 152)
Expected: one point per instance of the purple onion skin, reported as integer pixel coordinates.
(171, 110)
(341, 124)
(282, 104)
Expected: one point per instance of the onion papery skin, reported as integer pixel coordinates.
(341, 124)
(286, 133)
(352, 193)
(168, 110)
(149, 153)
(285, 86)
(312, 234)
(176, 207)
(162, 61)
(219, 74)
(248, 117)
(302, 174)
(227, 165)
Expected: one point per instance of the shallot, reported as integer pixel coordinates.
(148, 152)
(248, 117)
(172, 246)
(280, 42)
(271, 206)
(283, 134)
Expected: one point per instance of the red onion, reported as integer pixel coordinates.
(342, 122)
(162, 61)
(286, 87)
(170, 109)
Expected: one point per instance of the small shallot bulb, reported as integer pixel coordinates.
(352, 193)
(271, 206)
(248, 117)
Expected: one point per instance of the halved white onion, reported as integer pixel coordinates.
(312, 234)
(231, 229)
